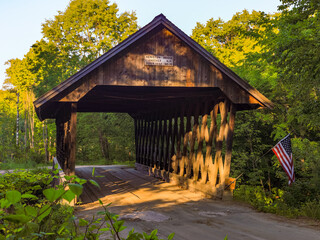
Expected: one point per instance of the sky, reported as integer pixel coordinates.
(20, 20)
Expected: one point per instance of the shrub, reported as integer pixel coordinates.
(47, 218)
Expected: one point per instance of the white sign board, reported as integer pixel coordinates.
(158, 60)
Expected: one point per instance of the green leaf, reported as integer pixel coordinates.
(27, 195)
(13, 196)
(53, 194)
(34, 227)
(31, 211)
(17, 218)
(44, 211)
(4, 203)
(93, 169)
(83, 222)
(76, 188)
(69, 196)
(122, 228)
(154, 233)
(104, 229)
(93, 182)
(61, 229)
(171, 236)
(226, 238)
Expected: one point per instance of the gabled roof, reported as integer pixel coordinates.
(156, 22)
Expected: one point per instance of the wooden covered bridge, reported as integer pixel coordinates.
(182, 99)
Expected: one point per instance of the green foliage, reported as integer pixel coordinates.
(28, 183)
(111, 141)
(71, 40)
(295, 47)
(49, 219)
(291, 202)
(279, 55)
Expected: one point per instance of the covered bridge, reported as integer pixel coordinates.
(182, 99)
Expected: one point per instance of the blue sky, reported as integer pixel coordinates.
(20, 20)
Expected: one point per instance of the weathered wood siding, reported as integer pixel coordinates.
(192, 148)
(189, 70)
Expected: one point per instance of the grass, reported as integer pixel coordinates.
(25, 165)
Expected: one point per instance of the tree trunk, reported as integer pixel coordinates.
(45, 140)
(104, 144)
(18, 119)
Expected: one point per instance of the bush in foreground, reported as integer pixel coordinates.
(33, 214)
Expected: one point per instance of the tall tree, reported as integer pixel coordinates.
(75, 37)
(87, 29)
(296, 52)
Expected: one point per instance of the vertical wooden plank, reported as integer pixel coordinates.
(140, 139)
(180, 160)
(146, 139)
(66, 143)
(229, 139)
(158, 147)
(192, 132)
(163, 137)
(212, 166)
(192, 164)
(72, 145)
(60, 142)
(149, 152)
(185, 143)
(153, 143)
(136, 137)
(149, 140)
(143, 133)
(223, 106)
(167, 166)
(175, 144)
(155, 151)
(201, 136)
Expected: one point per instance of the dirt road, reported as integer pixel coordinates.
(146, 203)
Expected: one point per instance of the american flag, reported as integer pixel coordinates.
(284, 153)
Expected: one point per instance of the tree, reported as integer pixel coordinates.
(296, 52)
(87, 29)
(74, 38)
(239, 43)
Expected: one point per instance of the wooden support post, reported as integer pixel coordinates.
(138, 139)
(187, 138)
(136, 136)
(143, 133)
(193, 138)
(73, 136)
(229, 139)
(145, 143)
(167, 166)
(184, 136)
(199, 164)
(153, 142)
(66, 123)
(174, 160)
(150, 141)
(158, 142)
(212, 166)
(60, 153)
(162, 149)
(223, 106)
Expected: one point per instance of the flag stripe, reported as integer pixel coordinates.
(284, 166)
(286, 160)
(283, 152)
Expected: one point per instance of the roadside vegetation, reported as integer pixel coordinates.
(30, 208)
(279, 54)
